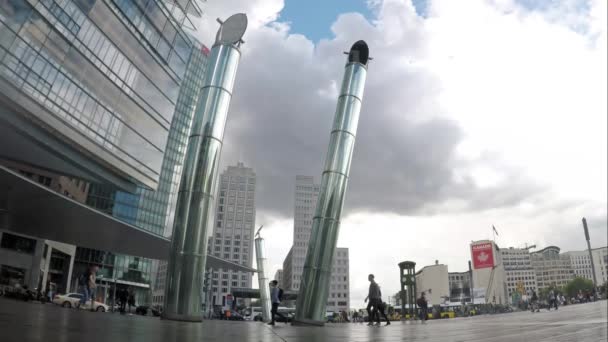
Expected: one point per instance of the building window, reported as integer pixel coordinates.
(11, 275)
(18, 243)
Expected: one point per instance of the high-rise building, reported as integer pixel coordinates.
(306, 196)
(551, 267)
(581, 264)
(233, 230)
(278, 276)
(519, 272)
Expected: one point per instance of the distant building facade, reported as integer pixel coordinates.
(306, 196)
(551, 267)
(233, 231)
(278, 276)
(433, 280)
(460, 287)
(519, 272)
(581, 264)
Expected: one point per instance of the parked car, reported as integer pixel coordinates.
(71, 300)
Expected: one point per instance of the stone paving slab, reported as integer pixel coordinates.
(25, 322)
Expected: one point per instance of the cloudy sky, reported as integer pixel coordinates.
(476, 113)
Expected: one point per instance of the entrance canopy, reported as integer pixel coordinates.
(255, 293)
(32, 209)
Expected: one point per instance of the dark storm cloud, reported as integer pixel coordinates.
(283, 107)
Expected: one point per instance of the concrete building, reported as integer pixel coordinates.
(460, 287)
(278, 276)
(581, 264)
(488, 273)
(519, 272)
(551, 267)
(434, 281)
(233, 231)
(306, 195)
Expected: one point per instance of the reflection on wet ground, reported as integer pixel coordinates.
(21, 321)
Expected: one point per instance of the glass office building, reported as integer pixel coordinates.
(103, 91)
(94, 83)
(148, 209)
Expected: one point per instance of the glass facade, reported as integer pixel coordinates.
(118, 81)
(148, 209)
(102, 76)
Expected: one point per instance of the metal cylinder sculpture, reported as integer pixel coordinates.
(312, 298)
(262, 278)
(195, 203)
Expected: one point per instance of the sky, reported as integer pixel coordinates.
(475, 113)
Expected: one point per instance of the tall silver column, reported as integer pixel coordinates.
(195, 203)
(263, 278)
(590, 255)
(312, 298)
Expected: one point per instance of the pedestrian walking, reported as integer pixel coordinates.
(552, 300)
(534, 302)
(356, 316)
(375, 298)
(276, 295)
(131, 299)
(424, 307)
(88, 282)
(123, 297)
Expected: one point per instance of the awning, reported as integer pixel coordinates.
(32, 209)
(255, 293)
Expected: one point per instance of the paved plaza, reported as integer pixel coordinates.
(35, 322)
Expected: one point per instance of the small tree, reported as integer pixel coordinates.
(578, 284)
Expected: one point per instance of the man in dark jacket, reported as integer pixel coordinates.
(375, 299)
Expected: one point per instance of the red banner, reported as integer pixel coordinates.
(483, 255)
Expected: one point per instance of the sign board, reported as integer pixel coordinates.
(482, 255)
(229, 301)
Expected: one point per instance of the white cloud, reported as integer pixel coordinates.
(483, 113)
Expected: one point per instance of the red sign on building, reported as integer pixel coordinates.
(483, 255)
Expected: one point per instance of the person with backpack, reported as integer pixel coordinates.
(276, 295)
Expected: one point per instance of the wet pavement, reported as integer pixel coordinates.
(22, 322)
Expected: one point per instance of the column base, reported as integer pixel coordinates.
(181, 318)
(307, 323)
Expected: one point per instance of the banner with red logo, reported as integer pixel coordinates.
(483, 255)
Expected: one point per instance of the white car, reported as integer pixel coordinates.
(72, 300)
